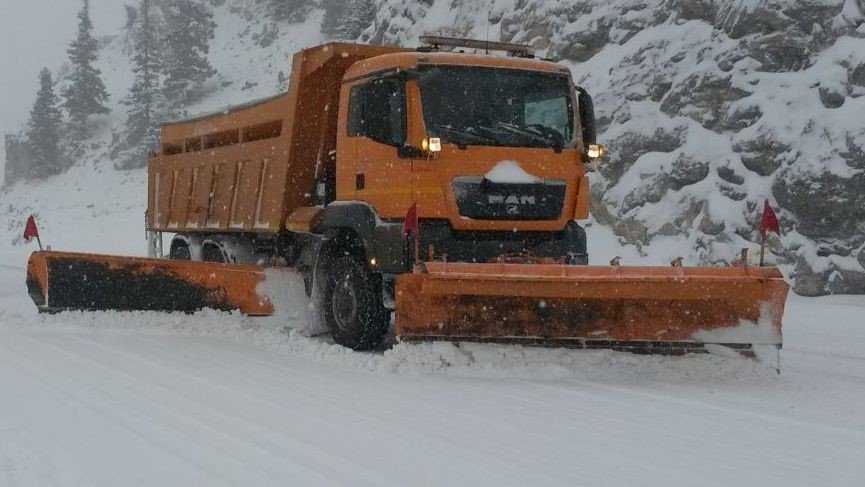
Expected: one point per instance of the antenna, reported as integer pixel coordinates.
(489, 15)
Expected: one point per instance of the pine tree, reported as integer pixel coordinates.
(359, 16)
(145, 98)
(86, 94)
(43, 131)
(189, 32)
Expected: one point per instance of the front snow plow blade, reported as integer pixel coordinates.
(60, 281)
(668, 310)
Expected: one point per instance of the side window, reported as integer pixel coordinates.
(355, 111)
(377, 110)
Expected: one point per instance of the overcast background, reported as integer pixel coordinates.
(35, 34)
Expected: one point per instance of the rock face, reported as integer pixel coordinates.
(708, 108)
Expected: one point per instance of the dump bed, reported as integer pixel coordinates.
(246, 168)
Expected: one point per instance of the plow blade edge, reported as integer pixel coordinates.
(59, 281)
(669, 310)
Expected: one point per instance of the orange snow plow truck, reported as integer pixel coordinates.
(441, 186)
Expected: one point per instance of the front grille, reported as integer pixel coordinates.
(481, 199)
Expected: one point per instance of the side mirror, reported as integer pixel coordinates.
(406, 151)
(591, 148)
(587, 117)
(430, 148)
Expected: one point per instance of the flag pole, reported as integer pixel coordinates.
(762, 247)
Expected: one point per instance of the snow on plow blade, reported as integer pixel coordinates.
(671, 310)
(59, 281)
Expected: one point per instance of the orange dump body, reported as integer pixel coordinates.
(59, 281)
(245, 169)
(651, 309)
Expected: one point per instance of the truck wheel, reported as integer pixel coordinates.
(180, 251)
(352, 306)
(213, 253)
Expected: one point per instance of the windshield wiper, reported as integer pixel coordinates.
(532, 134)
(460, 133)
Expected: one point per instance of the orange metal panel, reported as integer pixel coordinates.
(581, 212)
(199, 204)
(223, 195)
(65, 280)
(165, 188)
(245, 194)
(346, 151)
(303, 219)
(254, 113)
(180, 197)
(657, 304)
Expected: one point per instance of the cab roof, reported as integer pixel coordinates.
(411, 59)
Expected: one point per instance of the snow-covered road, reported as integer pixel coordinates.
(115, 399)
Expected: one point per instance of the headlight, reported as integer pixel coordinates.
(595, 151)
(432, 144)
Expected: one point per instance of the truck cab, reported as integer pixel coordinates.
(490, 148)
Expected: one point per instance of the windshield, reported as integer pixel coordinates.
(470, 105)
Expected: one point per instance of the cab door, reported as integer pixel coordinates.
(377, 122)
(427, 188)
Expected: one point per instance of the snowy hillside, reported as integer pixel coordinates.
(708, 109)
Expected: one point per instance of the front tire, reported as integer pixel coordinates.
(353, 309)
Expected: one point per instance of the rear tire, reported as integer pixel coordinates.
(352, 304)
(213, 253)
(180, 251)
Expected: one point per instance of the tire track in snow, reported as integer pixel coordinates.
(76, 395)
(728, 410)
(309, 452)
(439, 441)
(797, 464)
(636, 419)
(590, 415)
(186, 424)
(400, 404)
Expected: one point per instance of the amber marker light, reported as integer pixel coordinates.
(596, 151)
(432, 144)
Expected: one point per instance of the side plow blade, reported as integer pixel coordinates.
(59, 281)
(670, 310)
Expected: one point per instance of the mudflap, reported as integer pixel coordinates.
(60, 281)
(665, 310)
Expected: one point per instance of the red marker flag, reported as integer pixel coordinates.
(410, 224)
(31, 232)
(769, 221)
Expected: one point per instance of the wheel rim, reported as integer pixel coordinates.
(344, 304)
